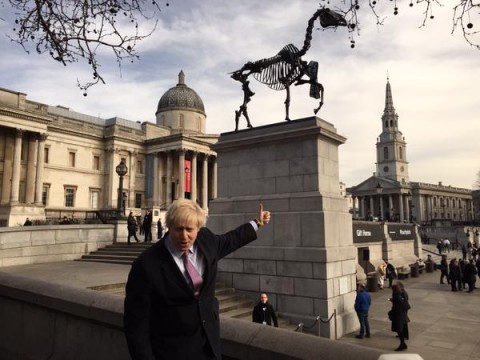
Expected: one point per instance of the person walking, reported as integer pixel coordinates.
(362, 305)
(170, 309)
(263, 312)
(444, 270)
(147, 226)
(398, 315)
(455, 275)
(470, 274)
(390, 273)
(159, 229)
(381, 275)
(132, 228)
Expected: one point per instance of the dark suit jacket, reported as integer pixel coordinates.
(162, 317)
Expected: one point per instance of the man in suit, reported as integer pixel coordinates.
(170, 307)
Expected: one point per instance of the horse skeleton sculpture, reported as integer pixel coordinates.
(286, 68)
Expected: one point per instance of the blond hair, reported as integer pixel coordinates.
(185, 210)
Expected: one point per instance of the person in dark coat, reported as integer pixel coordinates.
(398, 315)
(263, 312)
(27, 222)
(170, 309)
(470, 275)
(444, 269)
(147, 226)
(132, 228)
(407, 307)
(455, 275)
(390, 273)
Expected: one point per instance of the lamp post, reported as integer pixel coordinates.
(121, 170)
(379, 190)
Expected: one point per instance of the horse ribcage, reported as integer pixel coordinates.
(278, 70)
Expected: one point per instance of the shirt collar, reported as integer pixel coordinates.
(174, 251)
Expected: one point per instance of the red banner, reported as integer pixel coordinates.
(188, 176)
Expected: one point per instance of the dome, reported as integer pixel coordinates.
(181, 97)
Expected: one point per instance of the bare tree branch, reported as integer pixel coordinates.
(71, 31)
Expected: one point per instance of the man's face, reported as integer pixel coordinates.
(183, 235)
(263, 298)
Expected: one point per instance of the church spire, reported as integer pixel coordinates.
(391, 146)
(390, 117)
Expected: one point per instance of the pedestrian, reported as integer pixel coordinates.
(470, 275)
(464, 252)
(398, 315)
(390, 273)
(27, 222)
(362, 305)
(444, 269)
(477, 264)
(381, 275)
(147, 226)
(263, 312)
(455, 275)
(132, 228)
(170, 309)
(407, 308)
(159, 229)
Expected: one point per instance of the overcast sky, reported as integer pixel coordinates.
(434, 76)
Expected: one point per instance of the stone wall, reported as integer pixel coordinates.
(42, 321)
(40, 244)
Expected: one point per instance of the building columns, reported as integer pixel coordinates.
(193, 191)
(205, 182)
(17, 156)
(214, 178)
(40, 165)
(181, 174)
(168, 184)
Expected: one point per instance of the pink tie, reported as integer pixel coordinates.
(195, 277)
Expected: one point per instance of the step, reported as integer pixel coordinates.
(93, 256)
(235, 303)
(122, 262)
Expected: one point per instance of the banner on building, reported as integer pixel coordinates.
(188, 175)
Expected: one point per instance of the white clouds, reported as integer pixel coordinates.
(433, 76)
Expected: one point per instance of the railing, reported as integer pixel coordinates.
(318, 322)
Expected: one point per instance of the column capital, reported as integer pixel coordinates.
(42, 136)
(19, 132)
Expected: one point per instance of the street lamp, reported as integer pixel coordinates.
(121, 170)
(379, 190)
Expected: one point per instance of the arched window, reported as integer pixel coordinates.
(400, 152)
(181, 119)
(385, 153)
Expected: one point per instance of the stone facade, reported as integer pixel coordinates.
(305, 259)
(390, 195)
(55, 162)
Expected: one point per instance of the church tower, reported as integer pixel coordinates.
(391, 146)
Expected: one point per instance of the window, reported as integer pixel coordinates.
(138, 200)
(385, 153)
(71, 159)
(45, 192)
(400, 153)
(69, 197)
(181, 121)
(46, 152)
(94, 196)
(140, 166)
(96, 162)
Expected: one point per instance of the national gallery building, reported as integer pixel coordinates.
(55, 162)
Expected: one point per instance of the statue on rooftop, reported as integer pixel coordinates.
(286, 68)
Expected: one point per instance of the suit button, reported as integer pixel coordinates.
(203, 321)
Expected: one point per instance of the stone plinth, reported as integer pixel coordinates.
(305, 259)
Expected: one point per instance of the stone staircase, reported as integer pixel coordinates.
(119, 253)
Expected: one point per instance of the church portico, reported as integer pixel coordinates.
(389, 195)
